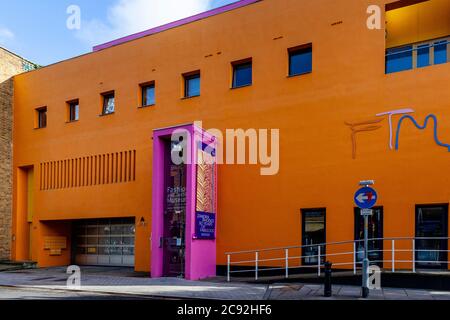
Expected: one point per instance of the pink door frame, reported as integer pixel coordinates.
(200, 255)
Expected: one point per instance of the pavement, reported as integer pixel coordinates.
(124, 283)
(16, 293)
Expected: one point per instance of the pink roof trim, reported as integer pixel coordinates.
(175, 24)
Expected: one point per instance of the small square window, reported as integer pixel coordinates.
(109, 104)
(41, 117)
(73, 110)
(148, 94)
(242, 73)
(300, 60)
(191, 85)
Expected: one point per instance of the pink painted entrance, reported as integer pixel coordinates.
(184, 196)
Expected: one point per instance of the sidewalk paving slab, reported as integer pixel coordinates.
(126, 282)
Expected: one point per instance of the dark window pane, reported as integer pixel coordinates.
(192, 86)
(128, 251)
(92, 230)
(115, 250)
(128, 240)
(74, 111)
(92, 240)
(104, 240)
(104, 230)
(82, 240)
(423, 56)
(242, 75)
(81, 250)
(432, 233)
(129, 230)
(440, 52)
(103, 251)
(300, 61)
(108, 104)
(117, 230)
(148, 95)
(313, 233)
(399, 59)
(42, 118)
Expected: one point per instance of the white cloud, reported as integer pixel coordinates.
(130, 16)
(5, 35)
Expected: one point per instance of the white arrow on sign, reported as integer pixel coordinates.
(362, 198)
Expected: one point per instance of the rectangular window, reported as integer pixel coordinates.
(109, 104)
(417, 55)
(41, 117)
(399, 59)
(431, 236)
(300, 60)
(192, 85)
(314, 236)
(242, 73)
(73, 110)
(148, 94)
(440, 52)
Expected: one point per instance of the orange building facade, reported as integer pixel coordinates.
(84, 169)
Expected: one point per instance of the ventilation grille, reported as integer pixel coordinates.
(117, 167)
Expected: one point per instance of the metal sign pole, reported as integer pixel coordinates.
(365, 289)
(365, 199)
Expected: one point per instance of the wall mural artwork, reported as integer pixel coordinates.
(205, 181)
(435, 121)
(358, 127)
(390, 114)
(372, 125)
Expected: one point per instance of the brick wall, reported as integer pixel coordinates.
(10, 65)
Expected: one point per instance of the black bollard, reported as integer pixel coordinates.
(327, 286)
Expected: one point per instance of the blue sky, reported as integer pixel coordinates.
(37, 30)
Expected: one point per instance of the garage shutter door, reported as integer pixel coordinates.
(105, 242)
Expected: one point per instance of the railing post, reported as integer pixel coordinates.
(318, 260)
(393, 255)
(414, 255)
(287, 263)
(256, 265)
(228, 267)
(354, 257)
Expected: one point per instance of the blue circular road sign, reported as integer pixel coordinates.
(366, 198)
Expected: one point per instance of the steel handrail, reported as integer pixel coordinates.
(416, 46)
(334, 243)
(325, 255)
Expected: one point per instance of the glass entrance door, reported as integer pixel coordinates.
(431, 224)
(174, 216)
(375, 232)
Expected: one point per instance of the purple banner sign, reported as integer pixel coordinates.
(205, 226)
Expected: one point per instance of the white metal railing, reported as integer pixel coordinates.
(402, 251)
